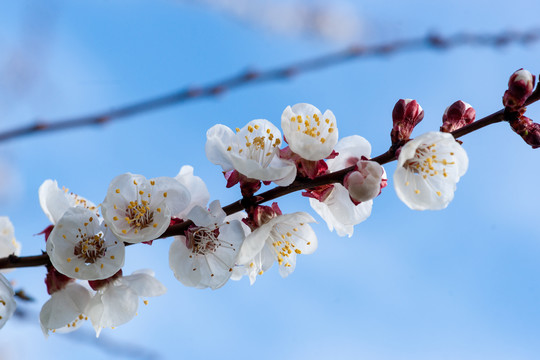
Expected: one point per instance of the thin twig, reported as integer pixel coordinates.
(250, 77)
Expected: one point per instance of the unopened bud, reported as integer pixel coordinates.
(364, 183)
(520, 87)
(457, 116)
(528, 130)
(405, 116)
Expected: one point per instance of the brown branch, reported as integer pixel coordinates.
(430, 41)
(13, 261)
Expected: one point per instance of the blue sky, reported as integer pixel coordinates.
(458, 283)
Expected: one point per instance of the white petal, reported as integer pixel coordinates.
(350, 149)
(53, 201)
(64, 307)
(218, 139)
(144, 284)
(117, 305)
(8, 244)
(196, 187)
(7, 301)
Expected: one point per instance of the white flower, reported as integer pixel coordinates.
(137, 209)
(7, 301)
(309, 133)
(207, 254)
(280, 239)
(65, 310)
(428, 169)
(196, 187)
(55, 201)
(252, 151)
(8, 244)
(116, 302)
(337, 209)
(81, 246)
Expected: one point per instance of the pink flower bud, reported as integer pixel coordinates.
(364, 183)
(520, 87)
(457, 116)
(406, 115)
(528, 130)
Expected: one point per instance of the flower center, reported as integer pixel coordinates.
(284, 245)
(426, 163)
(90, 248)
(203, 240)
(139, 215)
(261, 145)
(313, 126)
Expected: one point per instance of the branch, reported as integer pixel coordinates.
(13, 261)
(430, 41)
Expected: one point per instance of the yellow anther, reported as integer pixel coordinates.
(158, 209)
(152, 182)
(439, 193)
(256, 127)
(76, 269)
(135, 182)
(68, 259)
(323, 140)
(115, 218)
(91, 219)
(145, 302)
(141, 192)
(261, 272)
(124, 231)
(165, 194)
(229, 148)
(327, 121)
(237, 130)
(297, 251)
(155, 225)
(118, 191)
(417, 191)
(102, 266)
(250, 128)
(64, 236)
(406, 183)
(268, 131)
(331, 130)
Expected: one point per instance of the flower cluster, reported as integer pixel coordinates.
(86, 243)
